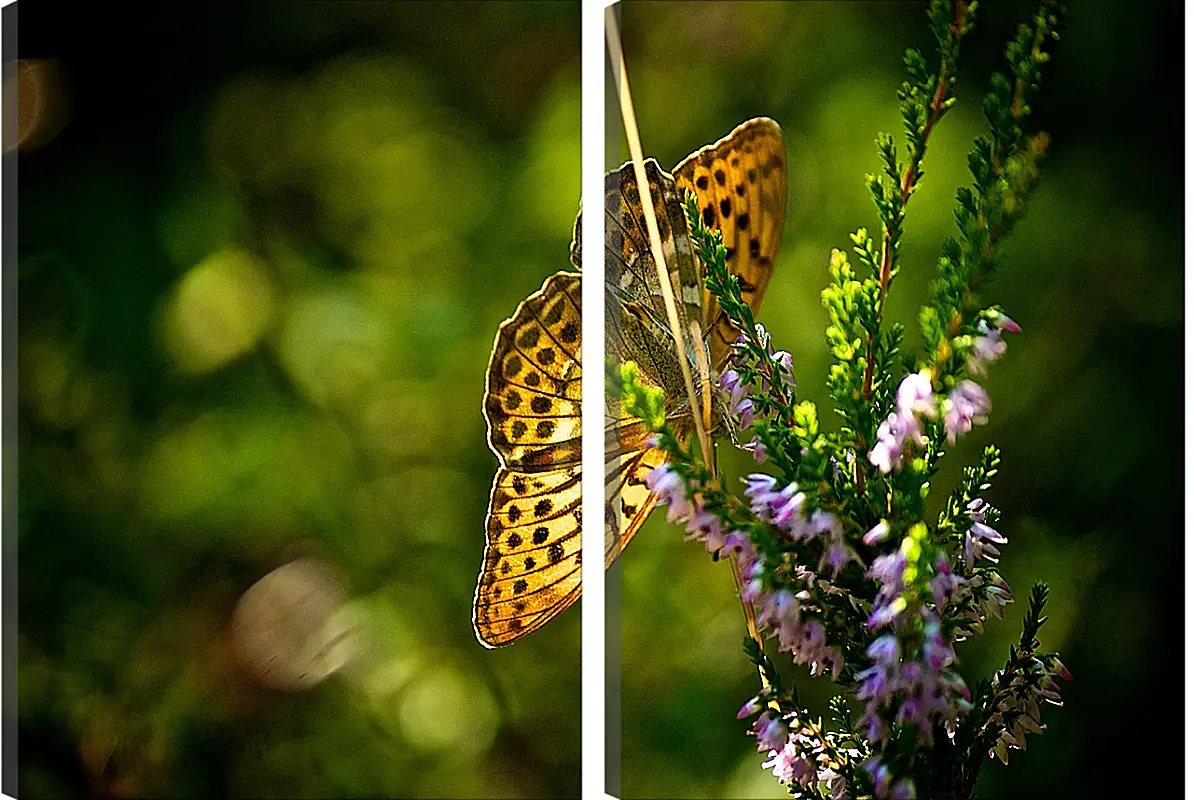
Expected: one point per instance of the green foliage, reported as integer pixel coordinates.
(847, 534)
(1005, 167)
(643, 402)
(1093, 274)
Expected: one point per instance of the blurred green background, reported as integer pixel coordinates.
(264, 251)
(1086, 402)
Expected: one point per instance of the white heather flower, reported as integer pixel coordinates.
(877, 534)
(915, 396)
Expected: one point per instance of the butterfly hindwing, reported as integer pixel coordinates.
(531, 568)
(630, 272)
(628, 501)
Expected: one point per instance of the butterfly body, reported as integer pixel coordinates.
(531, 568)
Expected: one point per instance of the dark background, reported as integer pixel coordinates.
(263, 256)
(1086, 403)
(264, 252)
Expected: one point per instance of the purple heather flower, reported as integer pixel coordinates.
(1018, 706)
(731, 382)
(945, 585)
(880, 775)
(757, 448)
(888, 452)
(977, 510)
(789, 764)
(888, 569)
(780, 612)
(810, 642)
(831, 658)
(671, 488)
(771, 732)
(804, 770)
(705, 527)
(914, 399)
(1005, 323)
(745, 408)
(1054, 665)
(894, 432)
(753, 589)
(782, 508)
(835, 783)
(752, 706)
(759, 488)
(785, 505)
(966, 406)
(885, 613)
(738, 545)
(885, 650)
(989, 344)
(824, 523)
(783, 359)
(937, 653)
(909, 666)
(993, 595)
(836, 553)
(914, 710)
(872, 726)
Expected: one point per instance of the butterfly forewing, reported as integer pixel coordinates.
(532, 402)
(741, 186)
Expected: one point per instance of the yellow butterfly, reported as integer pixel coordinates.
(531, 568)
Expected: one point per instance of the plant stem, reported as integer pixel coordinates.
(908, 184)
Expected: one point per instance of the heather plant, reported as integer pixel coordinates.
(839, 561)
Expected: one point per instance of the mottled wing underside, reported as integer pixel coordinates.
(630, 271)
(531, 570)
(741, 186)
(636, 329)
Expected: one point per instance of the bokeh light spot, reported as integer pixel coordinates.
(218, 311)
(443, 709)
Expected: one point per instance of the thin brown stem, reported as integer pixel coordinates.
(907, 185)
